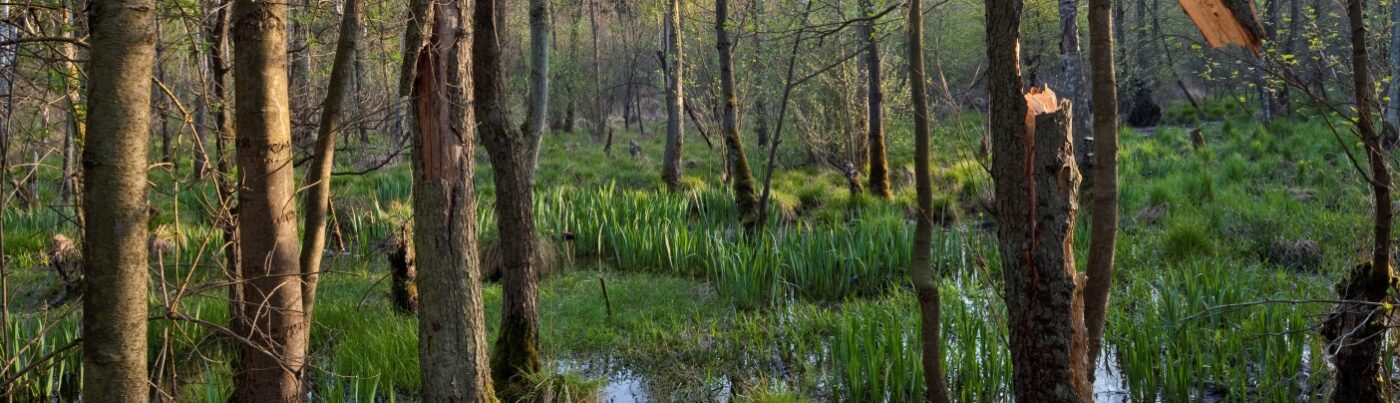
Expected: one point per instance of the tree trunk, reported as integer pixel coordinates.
(437, 78)
(1036, 201)
(318, 176)
(1392, 110)
(744, 193)
(600, 115)
(227, 217)
(75, 130)
(538, 112)
(1104, 211)
(1073, 81)
(675, 98)
(1356, 329)
(874, 102)
(925, 285)
(271, 368)
(300, 74)
(114, 163)
(516, 356)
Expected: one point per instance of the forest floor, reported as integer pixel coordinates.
(1222, 245)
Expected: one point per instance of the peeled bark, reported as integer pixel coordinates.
(271, 368)
(1103, 231)
(114, 163)
(1356, 329)
(437, 79)
(745, 196)
(874, 102)
(318, 176)
(1036, 201)
(516, 356)
(921, 268)
(675, 98)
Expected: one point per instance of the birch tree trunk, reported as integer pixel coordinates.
(271, 368)
(437, 79)
(114, 163)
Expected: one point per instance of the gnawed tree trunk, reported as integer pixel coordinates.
(271, 368)
(745, 195)
(675, 98)
(1103, 232)
(318, 176)
(1036, 201)
(114, 163)
(516, 357)
(437, 79)
(921, 268)
(874, 102)
(1356, 329)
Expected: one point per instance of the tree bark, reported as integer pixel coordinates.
(516, 355)
(675, 98)
(1392, 110)
(1103, 232)
(75, 131)
(745, 196)
(318, 176)
(1356, 329)
(874, 102)
(1073, 80)
(271, 368)
(227, 218)
(925, 285)
(437, 79)
(1036, 201)
(114, 163)
(600, 114)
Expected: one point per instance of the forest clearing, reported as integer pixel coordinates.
(698, 200)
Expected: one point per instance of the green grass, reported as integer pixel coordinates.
(818, 306)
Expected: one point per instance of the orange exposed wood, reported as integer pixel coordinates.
(1039, 101)
(1226, 22)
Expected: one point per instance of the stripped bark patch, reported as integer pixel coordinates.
(1226, 22)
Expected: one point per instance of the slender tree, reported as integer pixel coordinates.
(745, 196)
(1036, 185)
(1104, 211)
(874, 103)
(271, 367)
(114, 163)
(1356, 328)
(922, 271)
(1392, 110)
(437, 80)
(516, 356)
(675, 99)
(318, 176)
